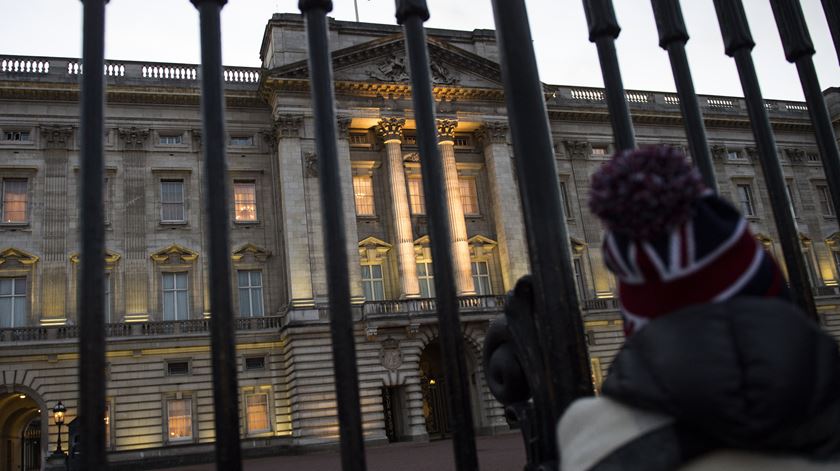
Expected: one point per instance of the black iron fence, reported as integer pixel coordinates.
(543, 313)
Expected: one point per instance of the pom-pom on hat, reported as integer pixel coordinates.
(670, 241)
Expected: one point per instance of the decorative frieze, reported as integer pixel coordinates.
(133, 138)
(287, 125)
(390, 129)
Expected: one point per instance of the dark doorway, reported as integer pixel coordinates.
(433, 384)
(393, 404)
(31, 444)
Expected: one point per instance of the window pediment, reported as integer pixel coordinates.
(578, 246)
(174, 254)
(19, 256)
(481, 246)
(372, 249)
(833, 240)
(111, 257)
(250, 250)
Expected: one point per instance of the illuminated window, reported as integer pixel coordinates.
(171, 139)
(12, 302)
(363, 190)
(745, 198)
(825, 200)
(14, 200)
(373, 283)
(256, 409)
(179, 419)
(107, 425)
(416, 201)
(250, 293)
(172, 201)
(481, 278)
(469, 196)
(426, 277)
(175, 296)
(245, 201)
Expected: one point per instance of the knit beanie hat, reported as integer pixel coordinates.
(672, 242)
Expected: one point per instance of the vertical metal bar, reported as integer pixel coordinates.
(832, 16)
(225, 394)
(335, 239)
(672, 37)
(800, 50)
(603, 30)
(411, 14)
(92, 235)
(738, 42)
(557, 311)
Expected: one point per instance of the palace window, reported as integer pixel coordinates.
(250, 293)
(469, 196)
(416, 201)
(172, 201)
(12, 302)
(177, 368)
(15, 200)
(835, 255)
(363, 191)
(372, 282)
(599, 150)
(579, 280)
(826, 204)
(107, 425)
(735, 155)
(254, 363)
(171, 139)
(16, 136)
(175, 296)
(564, 200)
(790, 199)
(245, 201)
(242, 141)
(256, 410)
(179, 419)
(481, 278)
(745, 198)
(107, 280)
(426, 277)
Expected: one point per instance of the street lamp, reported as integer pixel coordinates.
(58, 416)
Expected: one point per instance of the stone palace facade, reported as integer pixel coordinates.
(158, 366)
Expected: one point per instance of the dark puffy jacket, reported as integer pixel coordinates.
(749, 373)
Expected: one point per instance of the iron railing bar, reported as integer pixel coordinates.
(411, 14)
(335, 237)
(222, 332)
(603, 30)
(800, 50)
(739, 43)
(92, 235)
(832, 16)
(557, 313)
(673, 36)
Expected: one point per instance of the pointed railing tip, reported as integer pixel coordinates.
(307, 5)
(407, 8)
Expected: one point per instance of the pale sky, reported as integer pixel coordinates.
(167, 31)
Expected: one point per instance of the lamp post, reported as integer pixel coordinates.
(58, 416)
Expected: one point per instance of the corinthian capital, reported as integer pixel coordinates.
(56, 137)
(288, 125)
(493, 132)
(446, 129)
(133, 138)
(343, 122)
(390, 129)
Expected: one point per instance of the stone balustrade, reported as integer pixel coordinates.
(62, 69)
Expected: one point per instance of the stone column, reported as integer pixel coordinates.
(390, 129)
(293, 210)
(507, 209)
(348, 200)
(457, 224)
(136, 252)
(54, 278)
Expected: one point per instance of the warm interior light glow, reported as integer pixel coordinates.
(23, 396)
(431, 381)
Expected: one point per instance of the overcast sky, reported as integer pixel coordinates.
(167, 31)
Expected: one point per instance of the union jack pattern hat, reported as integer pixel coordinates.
(673, 243)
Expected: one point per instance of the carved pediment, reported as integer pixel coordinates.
(804, 240)
(384, 61)
(480, 246)
(175, 254)
(373, 249)
(833, 240)
(764, 240)
(11, 256)
(250, 251)
(578, 246)
(111, 257)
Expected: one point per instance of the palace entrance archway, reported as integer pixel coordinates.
(23, 429)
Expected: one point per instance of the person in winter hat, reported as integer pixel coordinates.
(716, 356)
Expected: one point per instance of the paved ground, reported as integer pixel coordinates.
(500, 453)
